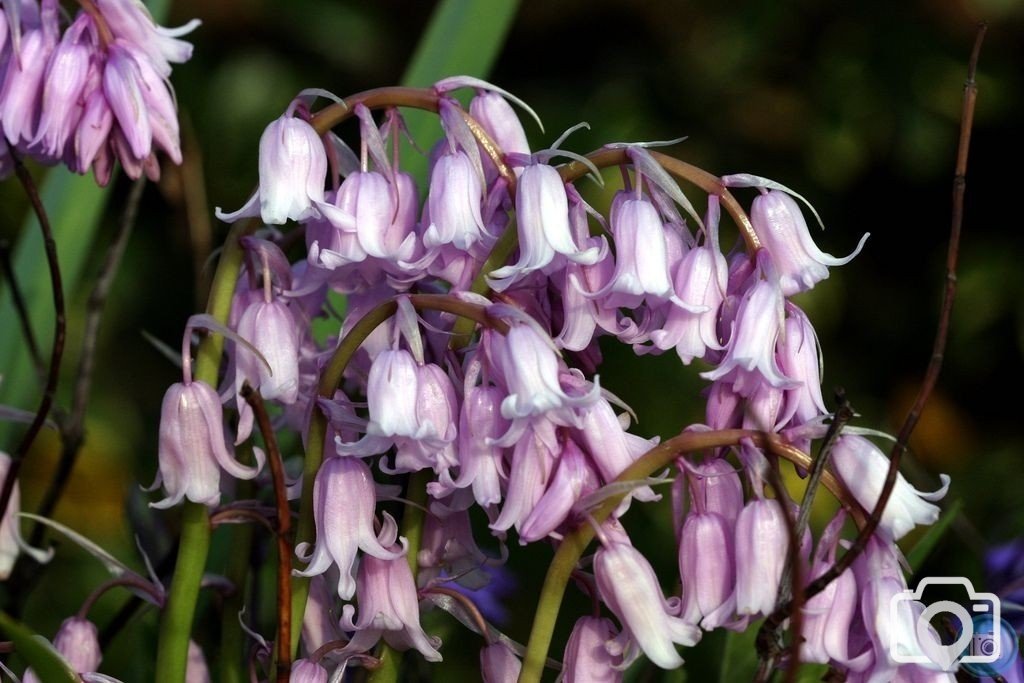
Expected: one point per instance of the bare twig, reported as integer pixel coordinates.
(59, 329)
(19, 306)
(284, 525)
(784, 605)
(72, 428)
(942, 333)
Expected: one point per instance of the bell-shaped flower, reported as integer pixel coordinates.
(750, 356)
(609, 446)
(307, 671)
(533, 460)
(496, 116)
(130, 21)
(863, 468)
(78, 642)
(498, 664)
(92, 132)
(370, 217)
(343, 510)
(271, 327)
(542, 215)
(761, 550)
(641, 253)
(891, 621)
(293, 170)
(829, 615)
(574, 478)
(23, 82)
(192, 448)
(456, 191)
(780, 225)
(630, 589)
(587, 657)
(481, 463)
(388, 609)
(708, 570)
(700, 282)
(798, 354)
(66, 76)
(527, 363)
(412, 407)
(122, 85)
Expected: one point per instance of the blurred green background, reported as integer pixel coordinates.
(855, 105)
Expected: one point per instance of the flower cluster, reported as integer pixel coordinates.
(90, 93)
(508, 421)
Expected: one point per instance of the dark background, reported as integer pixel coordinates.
(854, 105)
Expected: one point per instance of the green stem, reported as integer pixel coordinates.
(232, 638)
(176, 621)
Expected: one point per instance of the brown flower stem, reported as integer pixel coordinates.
(284, 526)
(931, 375)
(72, 427)
(59, 331)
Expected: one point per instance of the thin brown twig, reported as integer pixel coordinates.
(942, 333)
(769, 629)
(72, 428)
(284, 526)
(19, 306)
(59, 331)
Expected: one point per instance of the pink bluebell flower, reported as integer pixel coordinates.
(388, 607)
(293, 170)
(780, 225)
(498, 664)
(863, 468)
(344, 501)
(587, 655)
(650, 623)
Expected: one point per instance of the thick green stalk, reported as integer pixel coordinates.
(178, 613)
(176, 622)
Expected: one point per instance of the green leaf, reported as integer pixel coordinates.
(74, 204)
(924, 546)
(739, 658)
(463, 38)
(40, 655)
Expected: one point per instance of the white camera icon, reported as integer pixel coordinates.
(916, 642)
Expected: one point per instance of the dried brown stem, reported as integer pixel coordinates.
(72, 427)
(284, 527)
(59, 330)
(942, 333)
(768, 635)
